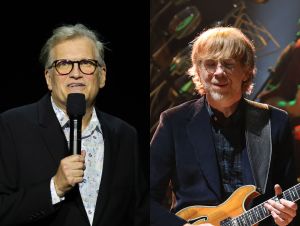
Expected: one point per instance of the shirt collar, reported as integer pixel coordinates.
(93, 125)
(63, 119)
(60, 114)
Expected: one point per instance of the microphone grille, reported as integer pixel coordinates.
(76, 104)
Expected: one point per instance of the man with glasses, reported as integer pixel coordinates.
(41, 182)
(209, 147)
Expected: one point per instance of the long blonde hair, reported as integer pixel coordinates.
(223, 42)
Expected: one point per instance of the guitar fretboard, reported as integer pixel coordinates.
(259, 212)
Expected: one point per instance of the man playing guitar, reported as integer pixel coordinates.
(221, 148)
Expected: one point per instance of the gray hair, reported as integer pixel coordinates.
(67, 32)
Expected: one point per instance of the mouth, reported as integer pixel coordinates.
(72, 85)
(76, 87)
(220, 85)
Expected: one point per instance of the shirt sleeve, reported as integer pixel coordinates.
(55, 198)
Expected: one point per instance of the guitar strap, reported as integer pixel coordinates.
(258, 142)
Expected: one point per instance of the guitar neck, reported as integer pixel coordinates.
(259, 212)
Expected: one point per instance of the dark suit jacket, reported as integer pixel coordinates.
(182, 150)
(32, 145)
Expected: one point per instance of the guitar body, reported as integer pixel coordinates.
(232, 207)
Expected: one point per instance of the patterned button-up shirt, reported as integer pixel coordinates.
(92, 142)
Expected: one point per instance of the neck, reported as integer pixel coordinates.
(226, 108)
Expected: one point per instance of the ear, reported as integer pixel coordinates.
(102, 75)
(246, 75)
(48, 79)
(198, 74)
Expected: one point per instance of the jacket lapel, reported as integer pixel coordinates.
(107, 172)
(259, 142)
(51, 131)
(200, 134)
(56, 143)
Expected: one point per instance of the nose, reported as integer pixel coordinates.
(219, 69)
(75, 73)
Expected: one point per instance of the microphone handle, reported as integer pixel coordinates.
(75, 136)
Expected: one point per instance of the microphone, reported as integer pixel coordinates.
(75, 109)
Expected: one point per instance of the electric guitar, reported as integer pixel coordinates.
(232, 212)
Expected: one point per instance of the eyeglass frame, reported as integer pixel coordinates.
(54, 63)
(221, 61)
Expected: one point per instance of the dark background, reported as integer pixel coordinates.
(125, 32)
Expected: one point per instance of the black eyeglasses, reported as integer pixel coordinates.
(64, 67)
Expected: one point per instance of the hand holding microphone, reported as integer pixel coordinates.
(71, 169)
(70, 172)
